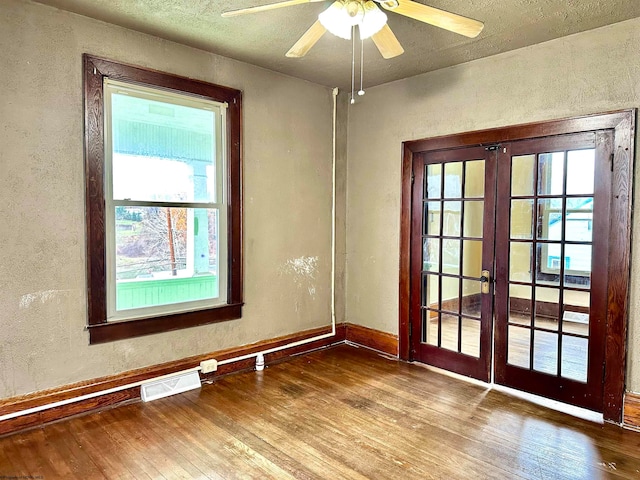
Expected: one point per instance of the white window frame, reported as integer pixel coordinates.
(221, 203)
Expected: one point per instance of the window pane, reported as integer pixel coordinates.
(453, 180)
(580, 171)
(471, 298)
(474, 179)
(165, 256)
(577, 258)
(471, 337)
(522, 219)
(522, 168)
(575, 358)
(519, 346)
(472, 261)
(431, 225)
(551, 173)
(547, 308)
(549, 220)
(450, 332)
(431, 254)
(473, 218)
(548, 263)
(162, 151)
(450, 294)
(520, 304)
(430, 326)
(520, 262)
(576, 312)
(451, 256)
(451, 223)
(579, 219)
(433, 184)
(430, 298)
(545, 352)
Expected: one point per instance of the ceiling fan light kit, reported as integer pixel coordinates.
(374, 20)
(333, 19)
(344, 14)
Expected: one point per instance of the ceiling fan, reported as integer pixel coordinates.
(343, 15)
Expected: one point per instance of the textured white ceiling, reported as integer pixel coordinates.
(263, 38)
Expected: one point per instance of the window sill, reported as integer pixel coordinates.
(108, 332)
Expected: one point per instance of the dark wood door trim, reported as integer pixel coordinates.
(623, 125)
(619, 266)
(404, 340)
(604, 121)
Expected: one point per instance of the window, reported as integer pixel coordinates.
(163, 201)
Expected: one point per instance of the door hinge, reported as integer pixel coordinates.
(604, 371)
(413, 177)
(611, 160)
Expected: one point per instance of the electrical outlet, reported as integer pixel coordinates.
(208, 366)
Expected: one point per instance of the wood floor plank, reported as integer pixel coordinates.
(29, 447)
(340, 413)
(184, 433)
(283, 434)
(362, 403)
(286, 435)
(507, 436)
(233, 455)
(169, 443)
(370, 448)
(80, 463)
(89, 433)
(11, 463)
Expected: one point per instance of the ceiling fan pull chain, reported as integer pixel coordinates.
(353, 64)
(361, 91)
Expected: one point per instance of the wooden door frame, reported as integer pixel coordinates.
(623, 124)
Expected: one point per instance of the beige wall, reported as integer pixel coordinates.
(287, 200)
(591, 72)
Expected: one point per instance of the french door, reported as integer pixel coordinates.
(509, 263)
(454, 214)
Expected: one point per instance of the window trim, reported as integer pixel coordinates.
(95, 70)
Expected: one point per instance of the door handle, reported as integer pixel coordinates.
(485, 281)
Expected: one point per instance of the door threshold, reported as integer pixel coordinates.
(561, 407)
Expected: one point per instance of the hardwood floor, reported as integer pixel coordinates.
(338, 413)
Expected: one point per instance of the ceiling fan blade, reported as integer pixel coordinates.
(264, 8)
(387, 43)
(440, 18)
(307, 40)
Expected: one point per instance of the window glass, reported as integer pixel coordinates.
(162, 151)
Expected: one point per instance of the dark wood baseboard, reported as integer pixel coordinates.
(371, 338)
(632, 410)
(364, 336)
(47, 397)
